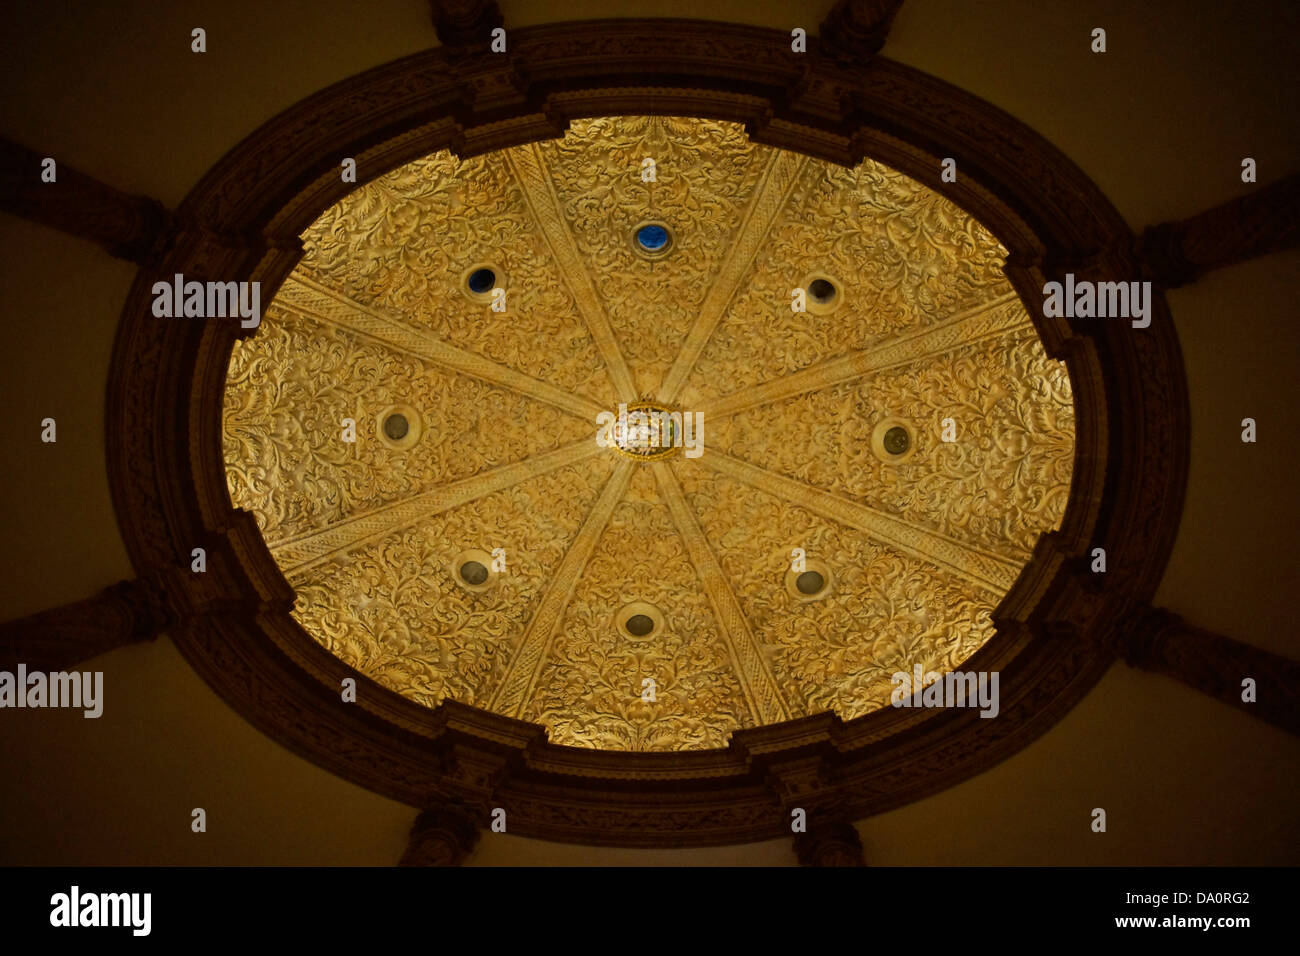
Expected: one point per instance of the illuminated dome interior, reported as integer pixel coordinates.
(870, 473)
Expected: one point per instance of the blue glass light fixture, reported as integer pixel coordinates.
(652, 239)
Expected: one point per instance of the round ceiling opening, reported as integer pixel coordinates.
(396, 426)
(481, 281)
(652, 239)
(472, 572)
(897, 440)
(639, 625)
(822, 290)
(810, 582)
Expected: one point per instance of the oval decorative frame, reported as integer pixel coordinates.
(233, 624)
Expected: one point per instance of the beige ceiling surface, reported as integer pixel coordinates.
(918, 550)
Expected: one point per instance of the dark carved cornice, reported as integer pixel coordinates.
(465, 23)
(127, 226)
(808, 786)
(1263, 221)
(169, 484)
(831, 844)
(1157, 640)
(214, 253)
(490, 85)
(855, 30)
(443, 835)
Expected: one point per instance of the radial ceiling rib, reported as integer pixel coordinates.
(301, 553)
(315, 301)
(539, 192)
(516, 687)
(984, 569)
(995, 317)
(761, 690)
(766, 203)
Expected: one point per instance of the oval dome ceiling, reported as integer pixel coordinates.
(857, 436)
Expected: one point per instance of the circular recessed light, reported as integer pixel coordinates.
(472, 570)
(822, 290)
(398, 427)
(897, 440)
(823, 293)
(652, 239)
(893, 441)
(478, 282)
(812, 583)
(638, 621)
(639, 625)
(481, 280)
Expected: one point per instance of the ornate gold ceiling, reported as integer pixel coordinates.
(502, 463)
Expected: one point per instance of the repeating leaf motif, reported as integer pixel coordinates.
(405, 242)
(705, 173)
(904, 256)
(290, 387)
(589, 694)
(386, 603)
(393, 611)
(886, 612)
(1000, 485)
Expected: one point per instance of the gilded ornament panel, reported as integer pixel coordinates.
(405, 242)
(589, 694)
(290, 387)
(705, 172)
(393, 611)
(1002, 482)
(904, 258)
(885, 612)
